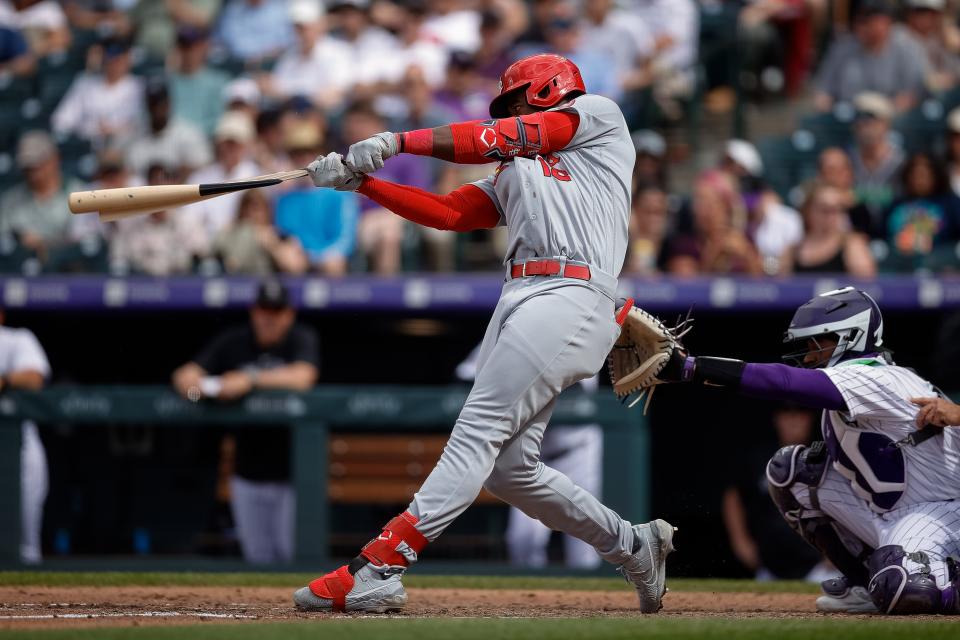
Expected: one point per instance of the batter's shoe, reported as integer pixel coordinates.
(647, 568)
(372, 589)
(839, 596)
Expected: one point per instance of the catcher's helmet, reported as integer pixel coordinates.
(547, 78)
(848, 315)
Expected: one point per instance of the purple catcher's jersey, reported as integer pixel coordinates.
(861, 441)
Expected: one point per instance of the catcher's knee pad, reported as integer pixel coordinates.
(806, 465)
(894, 590)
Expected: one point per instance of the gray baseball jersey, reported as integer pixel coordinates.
(574, 202)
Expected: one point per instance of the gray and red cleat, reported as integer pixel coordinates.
(373, 589)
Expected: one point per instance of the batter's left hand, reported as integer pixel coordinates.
(235, 385)
(330, 172)
(368, 155)
(939, 412)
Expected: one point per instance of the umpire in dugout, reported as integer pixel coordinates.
(272, 351)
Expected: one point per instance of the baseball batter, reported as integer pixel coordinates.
(877, 497)
(562, 188)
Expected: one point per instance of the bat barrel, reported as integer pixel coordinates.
(125, 198)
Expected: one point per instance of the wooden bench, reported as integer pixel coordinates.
(383, 469)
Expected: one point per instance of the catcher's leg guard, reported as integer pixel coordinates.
(896, 591)
(806, 465)
(389, 554)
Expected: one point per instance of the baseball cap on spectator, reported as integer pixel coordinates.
(156, 90)
(113, 47)
(461, 60)
(242, 91)
(871, 104)
(359, 5)
(271, 294)
(930, 5)
(744, 155)
(235, 126)
(649, 142)
(867, 8)
(305, 11)
(188, 34)
(302, 135)
(34, 148)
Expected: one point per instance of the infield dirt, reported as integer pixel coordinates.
(78, 607)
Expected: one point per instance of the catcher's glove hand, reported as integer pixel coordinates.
(645, 353)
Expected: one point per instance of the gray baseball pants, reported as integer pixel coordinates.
(545, 335)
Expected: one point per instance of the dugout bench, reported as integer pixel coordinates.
(325, 469)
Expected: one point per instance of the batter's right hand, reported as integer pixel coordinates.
(368, 155)
(330, 172)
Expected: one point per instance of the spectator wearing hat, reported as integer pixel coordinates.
(923, 225)
(323, 220)
(255, 30)
(272, 351)
(233, 140)
(463, 95)
(650, 167)
(157, 21)
(105, 108)
(15, 55)
(102, 16)
(924, 22)
(252, 245)
(160, 244)
(168, 141)
(876, 58)
(369, 47)
(196, 90)
(773, 226)
(43, 24)
(36, 210)
(316, 66)
(243, 94)
(876, 158)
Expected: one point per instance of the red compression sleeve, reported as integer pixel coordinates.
(479, 142)
(463, 209)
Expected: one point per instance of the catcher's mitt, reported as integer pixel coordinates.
(642, 351)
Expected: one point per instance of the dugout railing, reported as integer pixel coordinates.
(311, 417)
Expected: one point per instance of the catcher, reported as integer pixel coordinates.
(877, 497)
(562, 188)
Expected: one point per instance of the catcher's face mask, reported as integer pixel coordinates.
(811, 353)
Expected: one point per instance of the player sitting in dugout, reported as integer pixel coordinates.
(877, 497)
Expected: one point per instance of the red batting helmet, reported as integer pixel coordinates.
(547, 79)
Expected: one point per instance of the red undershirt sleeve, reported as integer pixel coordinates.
(480, 142)
(463, 209)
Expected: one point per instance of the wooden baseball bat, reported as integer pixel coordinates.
(114, 204)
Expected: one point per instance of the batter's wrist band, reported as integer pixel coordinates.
(400, 142)
(689, 369)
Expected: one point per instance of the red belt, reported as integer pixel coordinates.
(549, 268)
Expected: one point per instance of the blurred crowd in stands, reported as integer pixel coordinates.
(110, 93)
